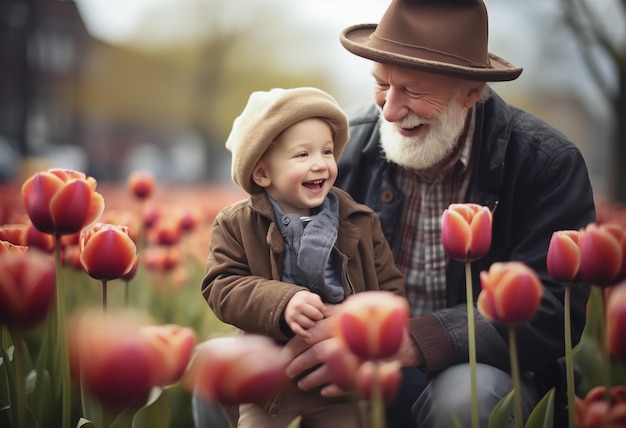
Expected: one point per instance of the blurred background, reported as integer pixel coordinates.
(113, 86)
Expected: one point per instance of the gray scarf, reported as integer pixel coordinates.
(309, 242)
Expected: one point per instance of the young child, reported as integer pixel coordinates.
(281, 258)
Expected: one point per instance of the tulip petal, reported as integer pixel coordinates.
(37, 192)
(455, 234)
(600, 256)
(481, 234)
(563, 259)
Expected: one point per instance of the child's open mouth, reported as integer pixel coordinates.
(315, 184)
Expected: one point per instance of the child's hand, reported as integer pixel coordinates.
(302, 311)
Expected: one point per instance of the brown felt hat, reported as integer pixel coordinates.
(439, 36)
(267, 114)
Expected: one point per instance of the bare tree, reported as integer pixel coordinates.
(599, 27)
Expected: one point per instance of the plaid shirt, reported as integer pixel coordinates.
(417, 248)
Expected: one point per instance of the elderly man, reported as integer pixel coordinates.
(436, 135)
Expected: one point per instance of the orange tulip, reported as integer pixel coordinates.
(511, 293)
(27, 287)
(616, 323)
(563, 260)
(111, 358)
(107, 251)
(603, 254)
(594, 411)
(371, 324)
(236, 370)
(141, 184)
(168, 231)
(466, 231)
(62, 202)
(172, 345)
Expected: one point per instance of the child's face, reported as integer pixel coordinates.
(299, 169)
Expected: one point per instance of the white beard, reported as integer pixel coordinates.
(424, 151)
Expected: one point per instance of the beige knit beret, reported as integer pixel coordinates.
(267, 114)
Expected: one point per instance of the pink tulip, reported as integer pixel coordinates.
(107, 252)
(603, 254)
(466, 231)
(236, 370)
(563, 260)
(111, 358)
(616, 323)
(62, 202)
(27, 287)
(7, 247)
(594, 411)
(371, 324)
(172, 345)
(141, 184)
(511, 293)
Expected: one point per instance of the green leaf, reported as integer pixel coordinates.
(502, 412)
(156, 414)
(542, 415)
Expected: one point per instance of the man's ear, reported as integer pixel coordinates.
(473, 94)
(260, 175)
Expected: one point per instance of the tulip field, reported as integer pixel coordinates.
(102, 322)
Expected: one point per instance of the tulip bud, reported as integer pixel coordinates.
(172, 346)
(616, 323)
(112, 358)
(141, 184)
(107, 252)
(27, 287)
(371, 324)
(595, 411)
(237, 370)
(511, 293)
(602, 255)
(563, 260)
(466, 231)
(62, 202)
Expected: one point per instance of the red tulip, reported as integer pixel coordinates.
(189, 219)
(511, 293)
(162, 259)
(123, 218)
(27, 287)
(172, 345)
(107, 251)
(594, 411)
(616, 323)
(371, 324)
(168, 231)
(62, 202)
(563, 259)
(141, 184)
(387, 374)
(236, 370)
(603, 254)
(112, 358)
(466, 231)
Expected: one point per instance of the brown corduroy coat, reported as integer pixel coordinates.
(242, 281)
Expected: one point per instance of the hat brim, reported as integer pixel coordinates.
(356, 40)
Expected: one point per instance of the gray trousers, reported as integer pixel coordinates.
(421, 402)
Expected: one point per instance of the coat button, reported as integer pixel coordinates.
(386, 196)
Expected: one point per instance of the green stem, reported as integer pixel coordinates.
(605, 357)
(62, 356)
(569, 360)
(18, 359)
(471, 336)
(104, 296)
(517, 385)
(377, 404)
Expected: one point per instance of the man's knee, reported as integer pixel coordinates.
(449, 396)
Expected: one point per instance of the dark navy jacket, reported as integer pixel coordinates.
(535, 181)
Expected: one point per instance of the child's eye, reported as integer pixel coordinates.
(328, 151)
(301, 154)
